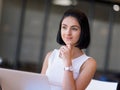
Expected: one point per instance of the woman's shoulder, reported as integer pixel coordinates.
(52, 52)
(88, 58)
(51, 55)
(90, 62)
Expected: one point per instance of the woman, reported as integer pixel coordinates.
(69, 68)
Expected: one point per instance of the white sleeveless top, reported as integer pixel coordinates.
(55, 70)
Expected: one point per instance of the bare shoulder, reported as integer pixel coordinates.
(90, 64)
(48, 54)
(91, 61)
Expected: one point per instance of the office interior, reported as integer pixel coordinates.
(28, 31)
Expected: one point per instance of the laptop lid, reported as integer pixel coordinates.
(21, 80)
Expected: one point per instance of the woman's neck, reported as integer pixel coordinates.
(77, 52)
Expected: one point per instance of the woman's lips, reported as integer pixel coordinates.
(68, 39)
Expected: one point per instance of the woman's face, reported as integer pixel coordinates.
(70, 30)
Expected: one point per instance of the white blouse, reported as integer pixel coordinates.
(55, 70)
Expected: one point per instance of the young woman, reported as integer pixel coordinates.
(69, 68)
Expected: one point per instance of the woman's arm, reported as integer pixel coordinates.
(86, 74)
(45, 64)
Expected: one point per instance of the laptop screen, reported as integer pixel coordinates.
(21, 80)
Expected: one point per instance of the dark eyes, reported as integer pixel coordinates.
(64, 27)
(72, 28)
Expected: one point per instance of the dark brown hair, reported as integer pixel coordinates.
(82, 19)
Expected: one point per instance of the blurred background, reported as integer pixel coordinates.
(28, 31)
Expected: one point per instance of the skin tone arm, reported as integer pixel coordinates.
(45, 64)
(86, 73)
(84, 78)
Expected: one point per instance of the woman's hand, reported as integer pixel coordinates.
(66, 54)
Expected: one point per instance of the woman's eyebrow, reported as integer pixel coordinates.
(72, 25)
(64, 24)
(75, 26)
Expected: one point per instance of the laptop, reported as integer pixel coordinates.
(22, 80)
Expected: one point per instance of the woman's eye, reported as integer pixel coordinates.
(63, 27)
(75, 29)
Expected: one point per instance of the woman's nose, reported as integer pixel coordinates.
(68, 31)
